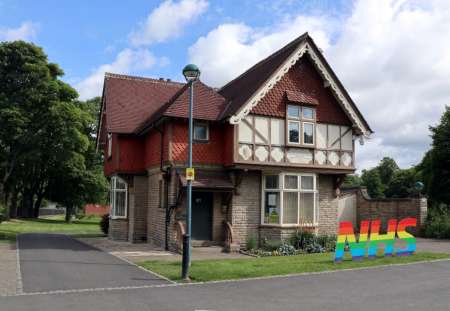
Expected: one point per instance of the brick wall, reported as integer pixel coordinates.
(118, 229)
(95, 209)
(328, 205)
(246, 208)
(385, 209)
(137, 215)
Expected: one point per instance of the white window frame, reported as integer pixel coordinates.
(281, 190)
(113, 193)
(301, 121)
(289, 121)
(110, 140)
(206, 125)
(313, 134)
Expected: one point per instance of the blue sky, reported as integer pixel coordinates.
(81, 35)
(393, 56)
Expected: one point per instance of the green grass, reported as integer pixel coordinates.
(85, 227)
(227, 269)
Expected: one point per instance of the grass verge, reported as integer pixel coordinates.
(227, 269)
(85, 227)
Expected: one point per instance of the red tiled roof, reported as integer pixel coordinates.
(208, 105)
(130, 100)
(239, 90)
(301, 98)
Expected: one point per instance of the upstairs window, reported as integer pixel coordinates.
(301, 125)
(119, 198)
(201, 131)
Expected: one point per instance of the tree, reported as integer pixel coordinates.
(387, 169)
(402, 184)
(352, 181)
(46, 135)
(372, 180)
(435, 166)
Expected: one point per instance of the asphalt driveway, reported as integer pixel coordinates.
(50, 262)
(423, 286)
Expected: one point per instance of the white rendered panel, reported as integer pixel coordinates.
(321, 136)
(333, 137)
(346, 140)
(262, 130)
(277, 132)
(245, 132)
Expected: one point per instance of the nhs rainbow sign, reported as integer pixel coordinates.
(370, 245)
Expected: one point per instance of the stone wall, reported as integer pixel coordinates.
(246, 208)
(385, 209)
(328, 205)
(118, 229)
(137, 216)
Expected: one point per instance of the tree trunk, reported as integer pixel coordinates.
(37, 205)
(69, 213)
(27, 206)
(13, 204)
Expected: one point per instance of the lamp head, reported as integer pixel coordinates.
(191, 72)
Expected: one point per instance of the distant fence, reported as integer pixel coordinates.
(362, 207)
(96, 209)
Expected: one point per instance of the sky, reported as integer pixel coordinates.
(393, 56)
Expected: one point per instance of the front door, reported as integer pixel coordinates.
(202, 203)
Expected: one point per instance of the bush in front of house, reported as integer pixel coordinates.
(311, 243)
(251, 243)
(437, 225)
(104, 224)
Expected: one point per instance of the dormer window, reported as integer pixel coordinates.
(300, 125)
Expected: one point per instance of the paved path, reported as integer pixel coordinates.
(57, 262)
(417, 287)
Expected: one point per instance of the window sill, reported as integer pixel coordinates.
(119, 217)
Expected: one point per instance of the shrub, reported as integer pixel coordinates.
(302, 238)
(437, 225)
(286, 250)
(3, 215)
(271, 245)
(104, 224)
(251, 243)
(311, 243)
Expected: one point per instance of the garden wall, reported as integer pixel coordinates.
(385, 209)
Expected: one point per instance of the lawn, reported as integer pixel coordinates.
(85, 227)
(227, 269)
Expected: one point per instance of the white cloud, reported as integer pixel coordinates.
(231, 48)
(167, 21)
(26, 31)
(392, 56)
(126, 61)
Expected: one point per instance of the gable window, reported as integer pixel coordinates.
(301, 125)
(290, 199)
(201, 131)
(119, 198)
(109, 145)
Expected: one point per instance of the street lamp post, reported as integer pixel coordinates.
(191, 73)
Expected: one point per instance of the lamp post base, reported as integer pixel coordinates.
(186, 261)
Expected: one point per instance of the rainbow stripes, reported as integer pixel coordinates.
(358, 248)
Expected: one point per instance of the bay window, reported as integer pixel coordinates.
(290, 199)
(301, 125)
(118, 198)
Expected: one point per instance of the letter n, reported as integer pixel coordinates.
(347, 237)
